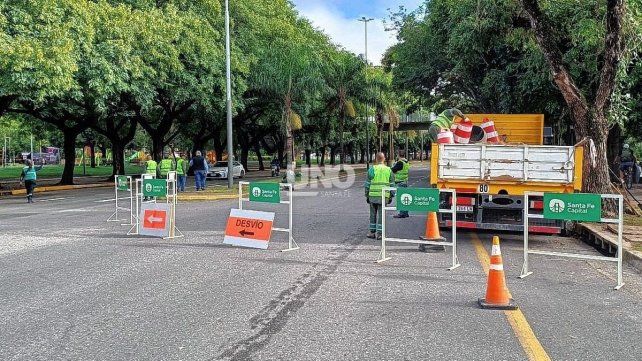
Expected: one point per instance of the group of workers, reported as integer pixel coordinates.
(180, 165)
(380, 175)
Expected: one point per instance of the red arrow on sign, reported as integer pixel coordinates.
(154, 219)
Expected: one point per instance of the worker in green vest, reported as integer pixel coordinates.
(181, 172)
(28, 176)
(379, 176)
(165, 166)
(150, 166)
(444, 120)
(400, 170)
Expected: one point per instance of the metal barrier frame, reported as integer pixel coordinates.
(292, 245)
(170, 197)
(114, 216)
(452, 211)
(618, 221)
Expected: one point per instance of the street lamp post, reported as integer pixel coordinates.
(365, 23)
(230, 160)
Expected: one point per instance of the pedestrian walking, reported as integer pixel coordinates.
(400, 170)
(199, 165)
(181, 173)
(379, 176)
(29, 176)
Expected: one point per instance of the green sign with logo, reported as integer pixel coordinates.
(265, 192)
(573, 206)
(154, 187)
(121, 183)
(418, 199)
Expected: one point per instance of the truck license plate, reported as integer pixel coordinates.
(464, 208)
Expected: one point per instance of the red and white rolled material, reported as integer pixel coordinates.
(463, 131)
(491, 133)
(445, 137)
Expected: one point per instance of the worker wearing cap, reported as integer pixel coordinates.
(379, 176)
(401, 170)
(444, 121)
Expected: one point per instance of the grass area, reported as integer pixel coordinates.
(55, 171)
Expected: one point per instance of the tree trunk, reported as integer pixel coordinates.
(281, 157)
(614, 142)
(332, 156)
(118, 158)
(157, 146)
(219, 148)
(92, 152)
(69, 147)
(259, 157)
(308, 159)
(321, 162)
(362, 155)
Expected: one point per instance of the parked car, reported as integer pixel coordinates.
(219, 170)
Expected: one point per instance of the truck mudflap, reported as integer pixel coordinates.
(503, 227)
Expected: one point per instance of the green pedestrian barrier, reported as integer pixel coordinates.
(581, 207)
(123, 184)
(267, 192)
(422, 200)
(154, 218)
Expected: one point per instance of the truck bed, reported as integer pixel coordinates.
(514, 163)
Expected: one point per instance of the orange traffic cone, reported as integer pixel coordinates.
(496, 292)
(432, 234)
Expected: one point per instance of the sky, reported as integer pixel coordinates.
(338, 19)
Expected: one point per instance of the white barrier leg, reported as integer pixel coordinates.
(620, 226)
(382, 253)
(292, 245)
(454, 231)
(525, 271)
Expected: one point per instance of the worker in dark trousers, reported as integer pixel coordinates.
(400, 170)
(29, 176)
(379, 176)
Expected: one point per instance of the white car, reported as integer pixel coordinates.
(219, 170)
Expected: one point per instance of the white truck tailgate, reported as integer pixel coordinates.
(481, 162)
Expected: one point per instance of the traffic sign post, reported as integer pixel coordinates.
(123, 183)
(249, 228)
(578, 207)
(271, 193)
(150, 187)
(418, 200)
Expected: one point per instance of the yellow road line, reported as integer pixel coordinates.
(531, 345)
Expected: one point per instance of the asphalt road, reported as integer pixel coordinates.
(74, 287)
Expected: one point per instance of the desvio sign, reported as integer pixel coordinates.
(249, 228)
(585, 207)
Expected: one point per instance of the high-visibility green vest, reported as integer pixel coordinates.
(165, 167)
(150, 167)
(180, 166)
(381, 179)
(30, 173)
(445, 119)
(402, 175)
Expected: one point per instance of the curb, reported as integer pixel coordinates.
(608, 245)
(16, 192)
(206, 197)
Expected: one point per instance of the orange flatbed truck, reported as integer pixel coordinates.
(490, 180)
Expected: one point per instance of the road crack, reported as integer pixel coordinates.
(275, 315)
